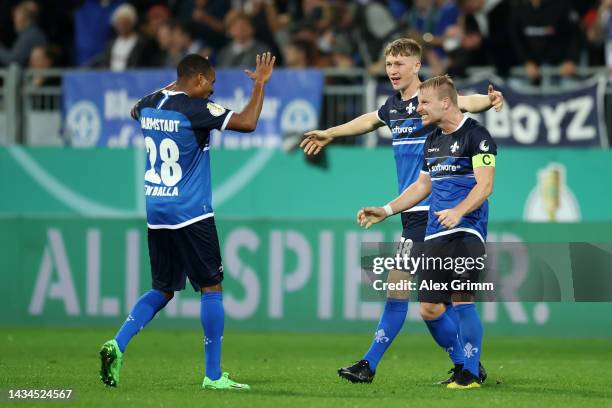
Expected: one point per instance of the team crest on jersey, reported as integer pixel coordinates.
(214, 109)
(410, 108)
(454, 147)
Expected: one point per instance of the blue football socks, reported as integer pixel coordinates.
(143, 311)
(471, 331)
(445, 332)
(389, 326)
(212, 317)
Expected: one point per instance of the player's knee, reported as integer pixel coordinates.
(431, 311)
(213, 288)
(168, 295)
(462, 297)
(398, 294)
(397, 285)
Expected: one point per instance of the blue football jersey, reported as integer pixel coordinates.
(409, 136)
(176, 130)
(448, 160)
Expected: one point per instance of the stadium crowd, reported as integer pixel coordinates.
(456, 34)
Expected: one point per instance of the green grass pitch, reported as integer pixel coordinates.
(164, 368)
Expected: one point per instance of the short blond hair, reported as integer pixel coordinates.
(125, 10)
(405, 47)
(443, 85)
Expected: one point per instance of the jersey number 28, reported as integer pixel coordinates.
(171, 171)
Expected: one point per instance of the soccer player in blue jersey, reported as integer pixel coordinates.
(182, 236)
(458, 171)
(399, 113)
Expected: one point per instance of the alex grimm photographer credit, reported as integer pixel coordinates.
(257, 203)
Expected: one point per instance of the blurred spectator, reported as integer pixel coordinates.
(433, 24)
(584, 6)
(498, 36)
(29, 35)
(398, 8)
(265, 17)
(443, 39)
(207, 17)
(341, 55)
(129, 49)
(312, 13)
(546, 32)
(164, 39)
(92, 28)
(155, 17)
(595, 30)
(469, 33)
(180, 43)
(241, 52)
(605, 28)
(298, 54)
(374, 26)
(44, 57)
(337, 35)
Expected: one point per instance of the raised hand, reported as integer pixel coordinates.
(264, 65)
(496, 98)
(314, 141)
(366, 217)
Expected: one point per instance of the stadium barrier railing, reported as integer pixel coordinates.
(9, 108)
(31, 100)
(41, 107)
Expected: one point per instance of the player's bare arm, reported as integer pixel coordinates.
(246, 121)
(480, 192)
(479, 103)
(315, 140)
(411, 196)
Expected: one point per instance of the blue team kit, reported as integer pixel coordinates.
(448, 159)
(177, 129)
(451, 158)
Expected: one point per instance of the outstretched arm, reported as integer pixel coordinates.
(315, 140)
(246, 121)
(479, 103)
(411, 196)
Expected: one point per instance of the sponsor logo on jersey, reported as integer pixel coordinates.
(484, 146)
(433, 149)
(401, 130)
(446, 167)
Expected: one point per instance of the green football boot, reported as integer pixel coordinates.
(223, 383)
(111, 359)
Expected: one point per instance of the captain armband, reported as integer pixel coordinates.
(483, 160)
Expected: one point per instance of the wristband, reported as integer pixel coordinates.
(388, 210)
